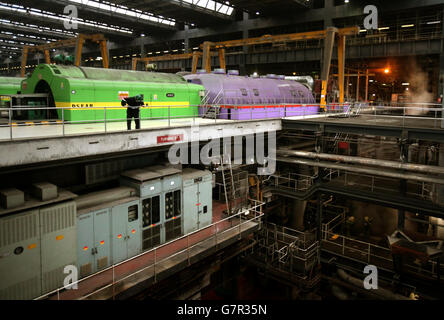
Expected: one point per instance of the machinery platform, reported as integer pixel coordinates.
(32, 144)
(163, 261)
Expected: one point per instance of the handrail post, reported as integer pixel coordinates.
(240, 222)
(63, 121)
(155, 256)
(10, 121)
(104, 110)
(114, 294)
(188, 249)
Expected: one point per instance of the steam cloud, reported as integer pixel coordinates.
(418, 90)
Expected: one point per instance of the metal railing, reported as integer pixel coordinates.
(372, 254)
(293, 181)
(150, 264)
(288, 250)
(173, 116)
(418, 190)
(421, 114)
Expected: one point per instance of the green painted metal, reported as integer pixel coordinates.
(8, 86)
(86, 91)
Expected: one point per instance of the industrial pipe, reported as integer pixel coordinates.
(387, 294)
(364, 161)
(369, 171)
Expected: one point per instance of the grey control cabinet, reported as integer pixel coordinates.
(20, 271)
(171, 203)
(126, 236)
(93, 243)
(148, 184)
(198, 202)
(58, 243)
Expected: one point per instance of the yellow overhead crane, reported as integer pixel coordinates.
(328, 34)
(168, 57)
(74, 42)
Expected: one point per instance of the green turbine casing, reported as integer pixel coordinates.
(86, 91)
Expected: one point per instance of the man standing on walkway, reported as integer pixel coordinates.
(133, 109)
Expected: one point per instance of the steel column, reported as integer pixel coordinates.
(341, 67)
(206, 57)
(24, 59)
(357, 85)
(222, 61)
(78, 51)
(104, 52)
(326, 62)
(366, 85)
(195, 62)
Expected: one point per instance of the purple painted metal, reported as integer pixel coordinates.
(243, 98)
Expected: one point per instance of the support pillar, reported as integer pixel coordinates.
(357, 85)
(243, 57)
(341, 68)
(105, 54)
(186, 41)
(195, 62)
(47, 57)
(222, 61)
(366, 85)
(206, 56)
(319, 204)
(78, 51)
(142, 48)
(326, 62)
(24, 59)
(441, 68)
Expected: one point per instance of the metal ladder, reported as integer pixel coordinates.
(229, 187)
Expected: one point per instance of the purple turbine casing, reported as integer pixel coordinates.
(246, 98)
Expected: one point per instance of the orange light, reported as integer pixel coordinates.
(59, 237)
(133, 231)
(102, 242)
(32, 246)
(119, 236)
(85, 248)
(174, 218)
(386, 70)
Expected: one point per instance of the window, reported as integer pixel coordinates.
(244, 92)
(256, 92)
(172, 204)
(132, 213)
(177, 206)
(151, 211)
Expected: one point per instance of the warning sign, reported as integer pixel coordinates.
(170, 138)
(123, 95)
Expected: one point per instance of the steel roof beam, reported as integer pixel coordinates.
(22, 39)
(131, 20)
(33, 30)
(55, 21)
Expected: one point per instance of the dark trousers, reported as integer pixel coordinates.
(130, 114)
